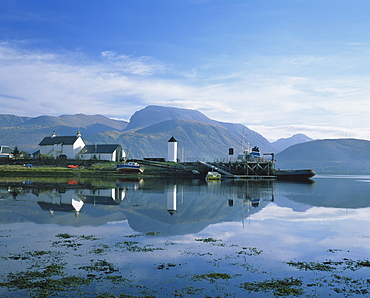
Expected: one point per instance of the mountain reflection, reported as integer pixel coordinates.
(168, 207)
(331, 193)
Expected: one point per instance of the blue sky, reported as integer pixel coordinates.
(278, 66)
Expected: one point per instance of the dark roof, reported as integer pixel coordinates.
(90, 149)
(67, 140)
(6, 149)
(172, 140)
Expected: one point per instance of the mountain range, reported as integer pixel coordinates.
(147, 132)
(145, 135)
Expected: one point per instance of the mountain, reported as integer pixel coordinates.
(155, 114)
(284, 143)
(12, 120)
(27, 132)
(79, 121)
(146, 135)
(198, 136)
(345, 156)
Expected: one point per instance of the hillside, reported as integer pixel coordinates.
(196, 140)
(146, 135)
(198, 136)
(283, 143)
(27, 132)
(155, 114)
(12, 120)
(346, 156)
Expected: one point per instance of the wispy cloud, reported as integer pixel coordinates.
(117, 85)
(143, 65)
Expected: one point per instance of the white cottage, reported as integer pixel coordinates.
(6, 151)
(102, 152)
(67, 146)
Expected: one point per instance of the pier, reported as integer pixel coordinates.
(243, 170)
(256, 170)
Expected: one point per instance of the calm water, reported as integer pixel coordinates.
(183, 238)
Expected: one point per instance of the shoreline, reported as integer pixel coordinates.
(92, 170)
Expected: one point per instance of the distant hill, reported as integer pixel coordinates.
(284, 143)
(27, 132)
(12, 120)
(78, 121)
(346, 156)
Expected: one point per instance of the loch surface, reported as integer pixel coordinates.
(184, 238)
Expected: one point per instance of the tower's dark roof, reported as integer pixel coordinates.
(172, 140)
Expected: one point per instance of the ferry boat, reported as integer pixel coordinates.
(130, 167)
(294, 174)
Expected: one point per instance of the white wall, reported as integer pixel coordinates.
(172, 151)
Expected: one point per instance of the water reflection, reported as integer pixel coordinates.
(335, 193)
(170, 207)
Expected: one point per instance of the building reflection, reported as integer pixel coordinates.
(171, 199)
(56, 201)
(112, 196)
(168, 207)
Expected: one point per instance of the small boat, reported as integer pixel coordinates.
(130, 167)
(72, 166)
(213, 176)
(294, 174)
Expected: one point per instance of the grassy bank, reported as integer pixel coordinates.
(106, 169)
(89, 169)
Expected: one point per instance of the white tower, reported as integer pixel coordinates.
(172, 149)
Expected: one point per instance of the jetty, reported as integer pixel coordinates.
(246, 170)
(249, 165)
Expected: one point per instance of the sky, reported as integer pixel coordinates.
(280, 67)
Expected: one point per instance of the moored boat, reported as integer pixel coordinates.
(213, 176)
(130, 167)
(294, 174)
(72, 166)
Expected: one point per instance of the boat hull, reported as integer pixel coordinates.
(294, 174)
(125, 168)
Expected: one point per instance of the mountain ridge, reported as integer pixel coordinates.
(283, 143)
(199, 138)
(146, 136)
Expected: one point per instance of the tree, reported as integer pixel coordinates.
(16, 153)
